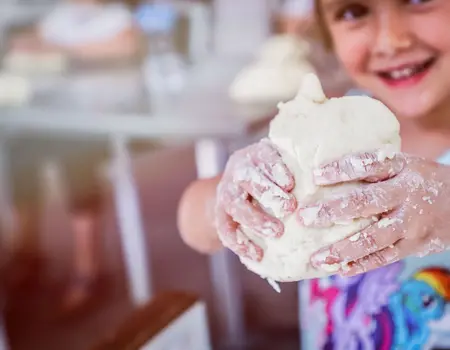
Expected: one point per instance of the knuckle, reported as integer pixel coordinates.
(368, 242)
(361, 197)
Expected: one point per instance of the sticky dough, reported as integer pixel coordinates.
(309, 131)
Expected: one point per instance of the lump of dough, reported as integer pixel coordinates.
(275, 75)
(309, 131)
(284, 48)
(265, 83)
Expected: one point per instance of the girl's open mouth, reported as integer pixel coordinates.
(407, 74)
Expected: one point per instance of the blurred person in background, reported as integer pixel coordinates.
(87, 31)
(395, 291)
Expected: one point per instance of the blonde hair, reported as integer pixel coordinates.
(320, 29)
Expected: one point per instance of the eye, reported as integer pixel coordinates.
(427, 300)
(352, 12)
(416, 2)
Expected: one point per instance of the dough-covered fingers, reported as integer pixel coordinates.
(376, 237)
(365, 202)
(239, 205)
(253, 218)
(267, 194)
(233, 238)
(368, 166)
(269, 161)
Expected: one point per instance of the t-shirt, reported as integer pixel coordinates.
(74, 23)
(405, 305)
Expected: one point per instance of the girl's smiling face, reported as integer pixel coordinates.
(399, 50)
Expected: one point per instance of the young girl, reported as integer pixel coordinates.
(395, 290)
(87, 31)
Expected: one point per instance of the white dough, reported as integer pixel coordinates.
(309, 131)
(275, 75)
(284, 49)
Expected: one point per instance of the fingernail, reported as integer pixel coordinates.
(290, 205)
(324, 257)
(330, 267)
(350, 270)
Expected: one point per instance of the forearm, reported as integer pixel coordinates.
(196, 216)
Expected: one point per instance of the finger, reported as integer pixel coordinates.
(268, 194)
(364, 202)
(374, 261)
(371, 166)
(252, 216)
(370, 240)
(233, 238)
(271, 164)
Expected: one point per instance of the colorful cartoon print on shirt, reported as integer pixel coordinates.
(378, 311)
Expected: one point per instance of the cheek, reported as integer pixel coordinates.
(352, 51)
(432, 30)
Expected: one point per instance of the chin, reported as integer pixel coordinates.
(409, 104)
(416, 106)
(408, 111)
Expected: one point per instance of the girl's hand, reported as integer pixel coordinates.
(409, 199)
(255, 178)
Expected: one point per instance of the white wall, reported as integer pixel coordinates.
(241, 26)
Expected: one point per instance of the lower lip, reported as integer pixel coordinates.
(407, 82)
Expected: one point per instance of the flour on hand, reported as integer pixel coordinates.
(309, 131)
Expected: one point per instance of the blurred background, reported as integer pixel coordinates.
(108, 110)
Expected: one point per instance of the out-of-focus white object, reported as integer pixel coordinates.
(14, 90)
(284, 49)
(200, 27)
(189, 331)
(103, 90)
(297, 8)
(23, 62)
(241, 27)
(77, 23)
(164, 68)
(276, 74)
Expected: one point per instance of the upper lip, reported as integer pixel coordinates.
(401, 66)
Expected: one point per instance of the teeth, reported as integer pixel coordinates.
(402, 73)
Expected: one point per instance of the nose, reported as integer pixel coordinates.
(393, 34)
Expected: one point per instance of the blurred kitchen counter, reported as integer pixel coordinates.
(108, 101)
